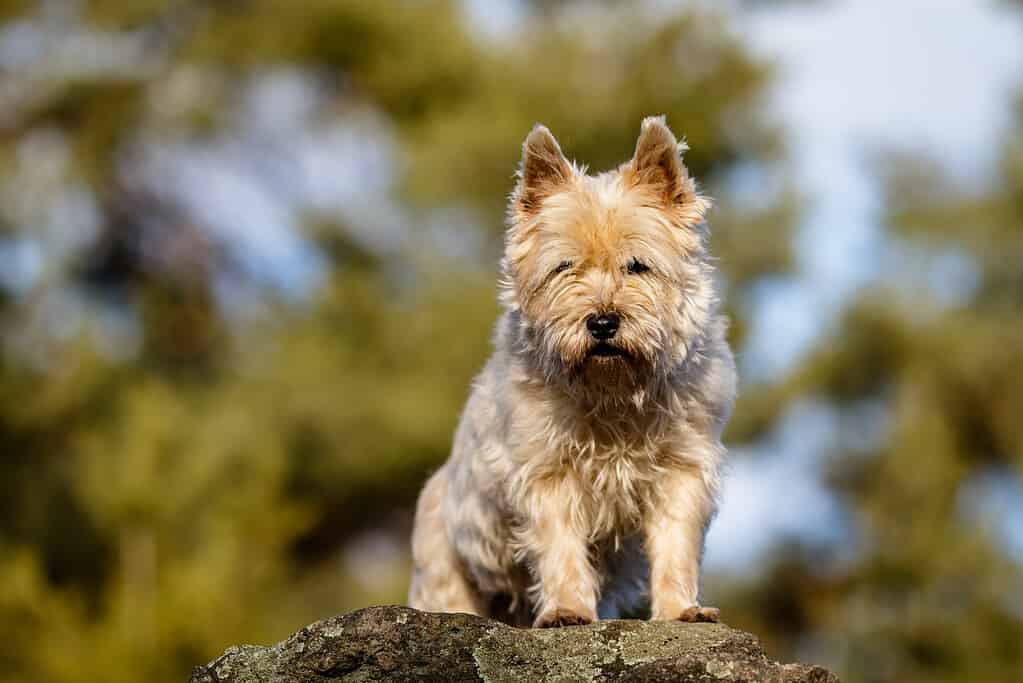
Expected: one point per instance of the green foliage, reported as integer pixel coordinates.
(932, 591)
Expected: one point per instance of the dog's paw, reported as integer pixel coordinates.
(698, 613)
(556, 618)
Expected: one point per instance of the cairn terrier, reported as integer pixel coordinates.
(586, 464)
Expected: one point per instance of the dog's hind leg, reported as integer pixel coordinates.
(439, 579)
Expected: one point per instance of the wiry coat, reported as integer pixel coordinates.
(584, 471)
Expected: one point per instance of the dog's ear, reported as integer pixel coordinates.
(658, 163)
(542, 171)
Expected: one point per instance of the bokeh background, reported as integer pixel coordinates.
(248, 256)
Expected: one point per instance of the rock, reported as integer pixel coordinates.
(402, 644)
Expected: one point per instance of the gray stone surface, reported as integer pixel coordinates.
(401, 644)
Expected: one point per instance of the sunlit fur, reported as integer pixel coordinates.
(582, 485)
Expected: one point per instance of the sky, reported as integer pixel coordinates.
(859, 77)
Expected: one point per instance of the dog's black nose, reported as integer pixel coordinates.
(602, 327)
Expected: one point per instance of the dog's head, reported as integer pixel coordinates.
(606, 276)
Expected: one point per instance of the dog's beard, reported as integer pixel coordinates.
(611, 376)
(610, 373)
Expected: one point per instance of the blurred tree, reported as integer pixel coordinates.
(202, 446)
(925, 372)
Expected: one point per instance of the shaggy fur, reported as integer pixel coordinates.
(584, 474)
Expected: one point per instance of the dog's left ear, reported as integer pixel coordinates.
(658, 163)
(544, 169)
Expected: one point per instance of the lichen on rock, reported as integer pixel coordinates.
(400, 644)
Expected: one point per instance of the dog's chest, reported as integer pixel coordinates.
(605, 467)
(613, 480)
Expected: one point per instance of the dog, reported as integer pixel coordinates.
(586, 465)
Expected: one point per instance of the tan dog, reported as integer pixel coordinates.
(585, 467)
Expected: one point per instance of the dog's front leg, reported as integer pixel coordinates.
(674, 529)
(566, 584)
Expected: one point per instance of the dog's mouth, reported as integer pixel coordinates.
(606, 350)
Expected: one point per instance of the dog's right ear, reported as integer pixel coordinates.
(543, 170)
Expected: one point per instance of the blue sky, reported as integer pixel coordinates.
(862, 76)
(858, 77)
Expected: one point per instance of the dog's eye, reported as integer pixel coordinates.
(637, 267)
(562, 267)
